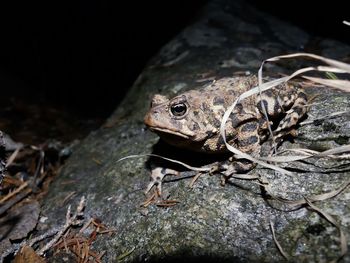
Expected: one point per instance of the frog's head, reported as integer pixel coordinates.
(179, 121)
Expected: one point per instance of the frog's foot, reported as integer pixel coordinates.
(157, 176)
(279, 136)
(213, 168)
(229, 169)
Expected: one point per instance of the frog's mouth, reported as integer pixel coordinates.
(163, 132)
(179, 140)
(162, 128)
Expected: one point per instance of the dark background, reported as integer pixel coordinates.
(84, 55)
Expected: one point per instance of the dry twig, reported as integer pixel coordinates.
(278, 245)
(71, 220)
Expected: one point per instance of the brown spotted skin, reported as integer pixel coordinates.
(197, 127)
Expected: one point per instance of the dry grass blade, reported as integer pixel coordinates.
(330, 71)
(330, 219)
(13, 193)
(18, 197)
(278, 245)
(245, 176)
(335, 67)
(337, 150)
(312, 198)
(334, 63)
(341, 84)
(12, 157)
(307, 154)
(198, 169)
(330, 194)
(302, 151)
(285, 159)
(328, 116)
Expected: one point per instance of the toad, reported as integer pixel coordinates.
(192, 120)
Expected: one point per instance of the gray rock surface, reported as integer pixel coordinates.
(211, 221)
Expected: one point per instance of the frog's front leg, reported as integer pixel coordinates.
(235, 166)
(247, 141)
(157, 175)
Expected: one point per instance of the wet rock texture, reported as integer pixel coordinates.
(211, 221)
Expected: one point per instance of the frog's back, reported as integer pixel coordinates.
(192, 119)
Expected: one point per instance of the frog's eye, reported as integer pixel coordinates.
(178, 109)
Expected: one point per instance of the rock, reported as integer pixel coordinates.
(211, 222)
(18, 223)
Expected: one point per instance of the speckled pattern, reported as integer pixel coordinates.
(192, 120)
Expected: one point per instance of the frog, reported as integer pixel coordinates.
(192, 120)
